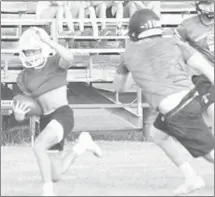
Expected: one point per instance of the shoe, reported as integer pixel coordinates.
(189, 186)
(87, 142)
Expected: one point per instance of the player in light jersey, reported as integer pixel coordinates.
(44, 79)
(198, 31)
(160, 66)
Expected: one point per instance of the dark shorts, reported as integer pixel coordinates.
(189, 128)
(205, 90)
(64, 115)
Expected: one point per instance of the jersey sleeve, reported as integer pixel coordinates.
(57, 60)
(21, 83)
(181, 32)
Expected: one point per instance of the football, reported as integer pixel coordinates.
(35, 108)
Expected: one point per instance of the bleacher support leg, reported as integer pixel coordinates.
(139, 106)
(32, 129)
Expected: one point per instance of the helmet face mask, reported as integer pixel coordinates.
(205, 8)
(32, 59)
(33, 52)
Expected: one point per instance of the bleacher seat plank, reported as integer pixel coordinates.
(16, 6)
(74, 75)
(9, 37)
(88, 38)
(174, 19)
(77, 51)
(30, 22)
(177, 6)
(13, 6)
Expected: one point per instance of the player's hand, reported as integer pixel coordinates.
(39, 35)
(20, 109)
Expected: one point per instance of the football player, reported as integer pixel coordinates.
(198, 31)
(44, 79)
(159, 65)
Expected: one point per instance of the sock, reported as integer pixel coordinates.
(187, 170)
(48, 187)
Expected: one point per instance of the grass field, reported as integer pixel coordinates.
(127, 168)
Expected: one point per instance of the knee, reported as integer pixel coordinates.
(158, 137)
(38, 148)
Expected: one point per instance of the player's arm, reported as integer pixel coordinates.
(202, 64)
(181, 33)
(196, 60)
(203, 51)
(20, 109)
(64, 53)
(123, 79)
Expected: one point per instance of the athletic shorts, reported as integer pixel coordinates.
(189, 128)
(205, 90)
(64, 115)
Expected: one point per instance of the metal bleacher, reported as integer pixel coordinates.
(91, 71)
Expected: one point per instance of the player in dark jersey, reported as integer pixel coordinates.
(44, 79)
(198, 31)
(159, 65)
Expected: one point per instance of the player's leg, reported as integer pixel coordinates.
(44, 10)
(55, 158)
(175, 152)
(61, 163)
(117, 10)
(50, 135)
(168, 145)
(101, 13)
(92, 14)
(59, 18)
(132, 8)
(188, 127)
(81, 16)
(69, 17)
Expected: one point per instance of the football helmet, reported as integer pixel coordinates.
(32, 51)
(205, 8)
(144, 23)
